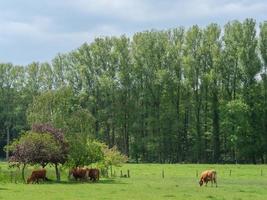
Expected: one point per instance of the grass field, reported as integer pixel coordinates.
(146, 182)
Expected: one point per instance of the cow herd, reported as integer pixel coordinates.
(79, 173)
(84, 174)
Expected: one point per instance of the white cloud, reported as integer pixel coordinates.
(133, 10)
(40, 28)
(36, 39)
(231, 8)
(51, 26)
(153, 11)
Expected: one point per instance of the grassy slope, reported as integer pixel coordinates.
(180, 182)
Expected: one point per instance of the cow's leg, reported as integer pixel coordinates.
(215, 181)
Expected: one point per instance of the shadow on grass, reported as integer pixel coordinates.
(72, 182)
(3, 189)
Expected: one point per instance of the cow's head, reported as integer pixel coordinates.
(201, 182)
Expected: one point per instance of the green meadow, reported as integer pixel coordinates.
(146, 182)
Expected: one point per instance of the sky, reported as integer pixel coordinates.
(37, 30)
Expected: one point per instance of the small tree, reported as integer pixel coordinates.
(112, 157)
(84, 151)
(236, 125)
(59, 157)
(33, 148)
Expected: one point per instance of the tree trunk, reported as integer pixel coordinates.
(206, 156)
(96, 115)
(113, 135)
(108, 139)
(216, 128)
(198, 125)
(184, 142)
(23, 172)
(262, 159)
(7, 142)
(126, 135)
(57, 172)
(265, 110)
(111, 172)
(179, 138)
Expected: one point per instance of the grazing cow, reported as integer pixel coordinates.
(93, 174)
(208, 175)
(36, 175)
(79, 173)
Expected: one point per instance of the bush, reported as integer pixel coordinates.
(84, 151)
(112, 157)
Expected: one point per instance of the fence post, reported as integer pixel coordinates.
(230, 172)
(121, 174)
(128, 173)
(163, 173)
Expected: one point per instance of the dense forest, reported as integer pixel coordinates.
(180, 95)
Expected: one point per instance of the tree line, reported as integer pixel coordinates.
(179, 95)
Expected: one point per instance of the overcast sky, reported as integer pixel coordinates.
(36, 30)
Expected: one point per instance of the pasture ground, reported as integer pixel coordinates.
(146, 182)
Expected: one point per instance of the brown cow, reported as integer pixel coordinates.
(208, 175)
(36, 175)
(93, 174)
(79, 173)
